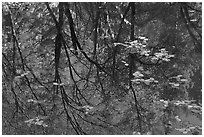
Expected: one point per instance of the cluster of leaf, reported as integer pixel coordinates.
(37, 121)
(165, 112)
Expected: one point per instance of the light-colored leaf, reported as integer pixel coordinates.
(147, 82)
(183, 80)
(140, 68)
(138, 74)
(29, 121)
(148, 72)
(177, 118)
(39, 122)
(55, 84)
